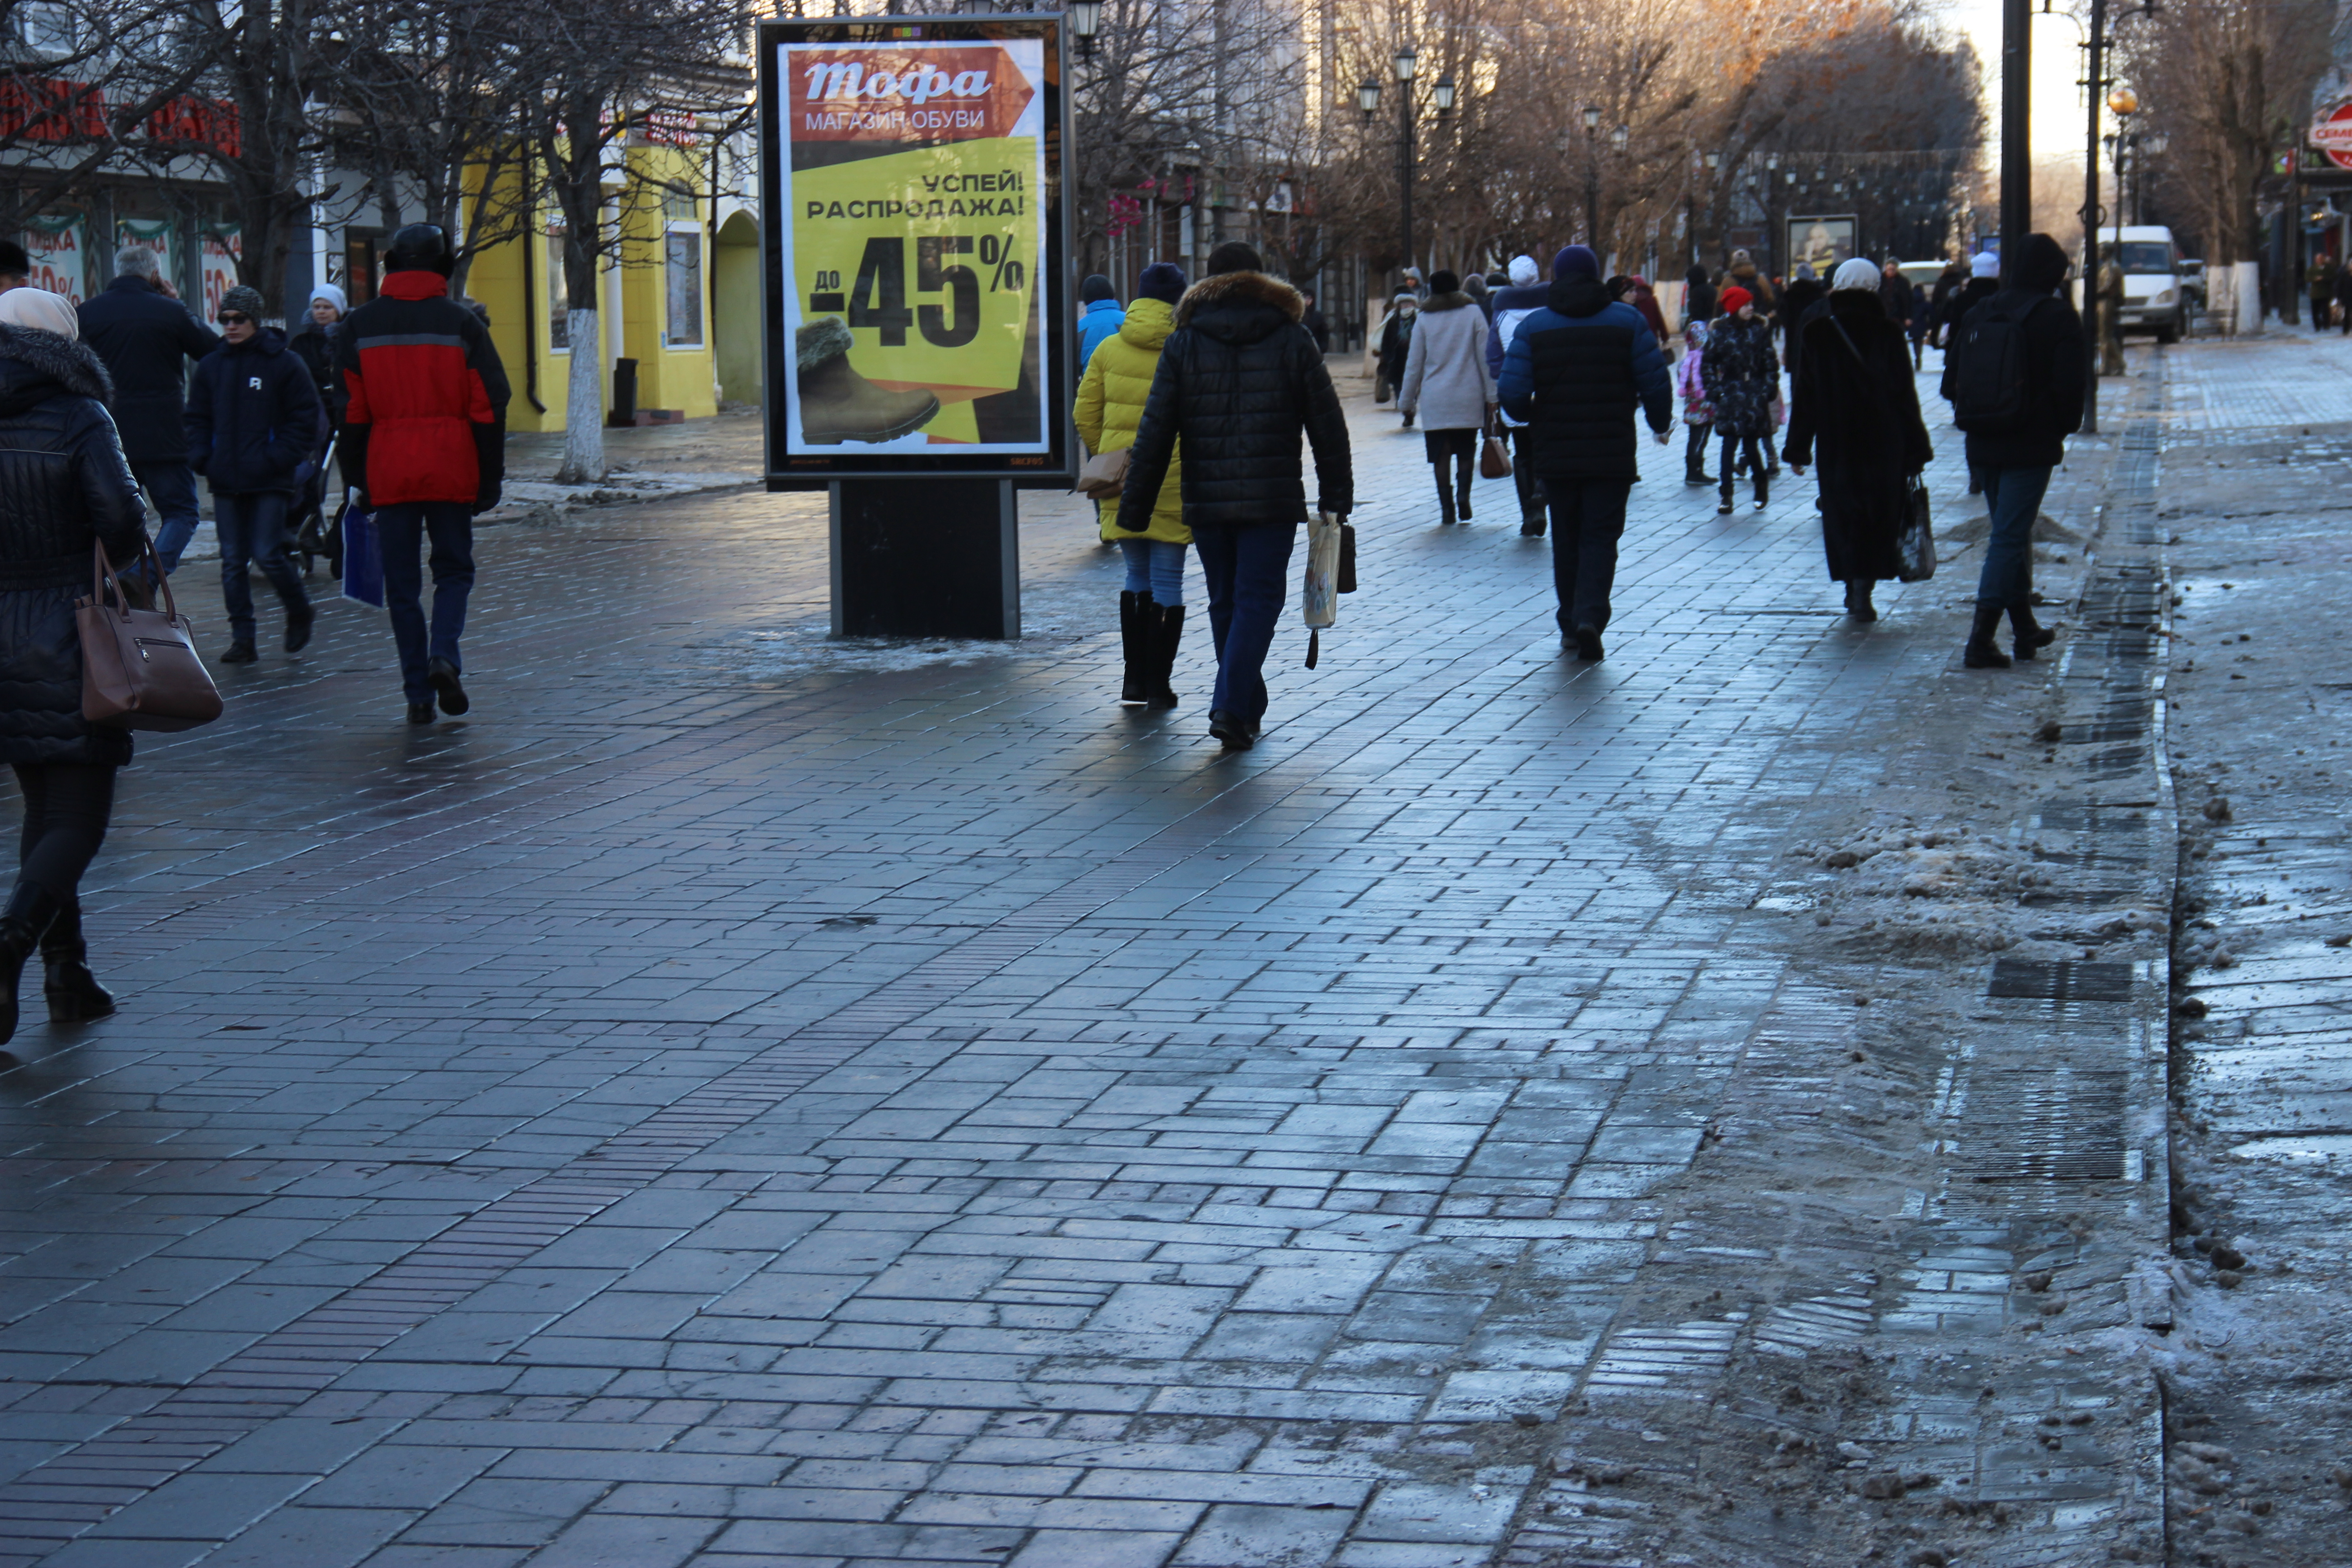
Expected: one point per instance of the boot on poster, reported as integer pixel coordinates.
(838, 404)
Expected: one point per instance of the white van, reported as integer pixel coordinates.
(2156, 297)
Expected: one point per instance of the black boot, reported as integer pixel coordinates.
(1134, 618)
(1857, 600)
(22, 924)
(1445, 500)
(1163, 631)
(1237, 733)
(1981, 653)
(73, 993)
(1462, 487)
(2030, 635)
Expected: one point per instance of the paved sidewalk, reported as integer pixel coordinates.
(743, 1099)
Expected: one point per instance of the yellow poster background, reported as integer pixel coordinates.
(979, 201)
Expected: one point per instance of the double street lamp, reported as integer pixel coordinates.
(1619, 139)
(1368, 99)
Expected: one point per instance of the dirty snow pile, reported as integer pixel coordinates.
(1929, 887)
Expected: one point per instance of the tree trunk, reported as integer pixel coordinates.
(583, 403)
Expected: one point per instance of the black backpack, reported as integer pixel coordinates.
(1990, 393)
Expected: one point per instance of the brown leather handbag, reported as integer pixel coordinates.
(1494, 456)
(1105, 474)
(138, 668)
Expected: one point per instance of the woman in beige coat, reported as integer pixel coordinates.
(1447, 380)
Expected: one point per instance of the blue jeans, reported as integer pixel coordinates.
(252, 527)
(2014, 497)
(171, 486)
(402, 531)
(1155, 569)
(1247, 568)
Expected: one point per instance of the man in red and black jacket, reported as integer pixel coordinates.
(425, 437)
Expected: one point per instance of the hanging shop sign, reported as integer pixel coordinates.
(59, 255)
(216, 261)
(919, 318)
(2331, 132)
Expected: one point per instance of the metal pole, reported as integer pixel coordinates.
(2016, 127)
(1591, 196)
(1404, 108)
(2098, 95)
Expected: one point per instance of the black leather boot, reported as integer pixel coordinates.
(1462, 489)
(30, 910)
(2030, 635)
(73, 993)
(1982, 653)
(1445, 500)
(1857, 600)
(1163, 632)
(1134, 620)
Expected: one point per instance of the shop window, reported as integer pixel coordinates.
(682, 268)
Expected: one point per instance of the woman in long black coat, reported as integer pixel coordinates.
(63, 483)
(1856, 401)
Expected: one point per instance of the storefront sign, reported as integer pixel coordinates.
(2331, 134)
(916, 256)
(59, 258)
(224, 244)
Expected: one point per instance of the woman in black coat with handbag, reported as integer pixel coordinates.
(63, 483)
(1855, 400)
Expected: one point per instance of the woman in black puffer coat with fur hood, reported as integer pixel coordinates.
(63, 483)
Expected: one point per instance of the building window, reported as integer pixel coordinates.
(559, 297)
(682, 259)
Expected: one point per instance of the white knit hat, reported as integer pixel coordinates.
(41, 310)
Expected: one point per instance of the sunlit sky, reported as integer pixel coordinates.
(2058, 110)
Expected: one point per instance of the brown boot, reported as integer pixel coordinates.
(838, 404)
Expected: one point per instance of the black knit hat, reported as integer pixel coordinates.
(1163, 281)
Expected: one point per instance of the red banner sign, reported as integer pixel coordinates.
(883, 94)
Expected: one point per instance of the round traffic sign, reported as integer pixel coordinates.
(2331, 134)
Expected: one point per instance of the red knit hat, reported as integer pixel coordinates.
(1735, 297)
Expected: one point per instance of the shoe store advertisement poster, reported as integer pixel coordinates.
(914, 267)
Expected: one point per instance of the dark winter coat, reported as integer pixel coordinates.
(1963, 300)
(2052, 337)
(63, 483)
(1574, 371)
(254, 419)
(1741, 376)
(1894, 298)
(1396, 341)
(314, 345)
(1759, 288)
(1317, 327)
(1238, 380)
(428, 415)
(1949, 283)
(146, 341)
(1860, 407)
(1795, 300)
(1699, 298)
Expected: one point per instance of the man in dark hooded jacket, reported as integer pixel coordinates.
(148, 340)
(1574, 371)
(1238, 380)
(2011, 457)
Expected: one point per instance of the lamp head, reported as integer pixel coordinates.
(1445, 95)
(1591, 119)
(1368, 98)
(1405, 61)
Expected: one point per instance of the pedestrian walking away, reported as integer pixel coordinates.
(1513, 306)
(147, 340)
(64, 482)
(2321, 282)
(1447, 384)
(1317, 327)
(1984, 282)
(1239, 381)
(1893, 293)
(425, 440)
(2014, 375)
(314, 344)
(1575, 372)
(1396, 341)
(1949, 283)
(1109, 409)
(1698, 414)
(2111, 312)
(1698, 296)
(1856, 403)
(1637, 293)
(1472, 284)
(255, 426)
(1099, 317)
(1799, 302)
(1923, 320)
(1742, 381)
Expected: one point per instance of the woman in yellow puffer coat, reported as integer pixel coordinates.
(1109, 407)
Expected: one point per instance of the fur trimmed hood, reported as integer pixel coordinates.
(35, 365)
(1456, 301)
(1240, 293)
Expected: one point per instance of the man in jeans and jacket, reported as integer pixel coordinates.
(2010, 457)
(147, 340)
(1238, 380)
(424, 435)
(1574, 372)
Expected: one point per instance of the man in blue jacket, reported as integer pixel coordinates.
(1574, 371)
(148, 338)
(1101, 317)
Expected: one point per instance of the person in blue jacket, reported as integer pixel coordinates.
(1101, 317)
(1574, 372)
(254, 427)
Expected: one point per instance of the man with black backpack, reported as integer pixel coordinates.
(2013, 374)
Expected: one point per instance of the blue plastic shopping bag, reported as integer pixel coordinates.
(363, 557)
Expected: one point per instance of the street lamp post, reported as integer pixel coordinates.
(1592, 177)
(1086, 21)
(1368, 99)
